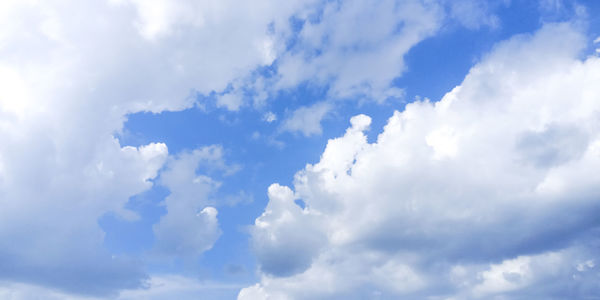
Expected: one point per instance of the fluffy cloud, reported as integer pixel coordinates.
(70, 73)
(190, 226)
(489, 192)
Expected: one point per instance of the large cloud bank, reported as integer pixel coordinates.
(492, 192)
(71, 71)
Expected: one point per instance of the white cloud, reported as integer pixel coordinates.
(190, 226)
(232, 101)
(361, 58)
(70, 73)
(307, 119)
(490, 192)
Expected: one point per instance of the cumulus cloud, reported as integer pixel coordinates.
(490, 192)
(70, 73)
(190, 226)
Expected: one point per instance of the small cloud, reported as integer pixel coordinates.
(231, 101)
(269, 117)
(307, 119)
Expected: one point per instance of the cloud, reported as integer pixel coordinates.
(361, 58)
(307, 119)
(231, 101)
(489, 192)
(190, 226)
(70, 73)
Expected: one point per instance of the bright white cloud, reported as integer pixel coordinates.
(455, 197)
(70, 72)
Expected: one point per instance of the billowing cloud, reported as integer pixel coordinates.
(490, 192)
(70, 73)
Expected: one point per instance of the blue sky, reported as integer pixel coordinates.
(300, 150)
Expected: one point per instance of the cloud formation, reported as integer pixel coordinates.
(454, 198)
(190, 226)
(70, 74)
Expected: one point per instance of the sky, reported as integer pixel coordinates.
(301, 149)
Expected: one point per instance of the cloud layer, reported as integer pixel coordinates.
(489, 192)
